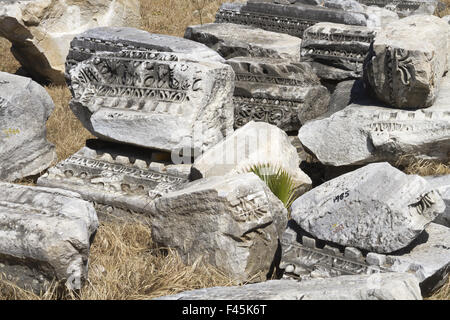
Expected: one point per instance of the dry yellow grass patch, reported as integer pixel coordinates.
(124, 263)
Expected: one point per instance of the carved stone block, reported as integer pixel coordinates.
(376, 208)
(289, 19)
(366, 132)
(118, 185)
(277, 92)
(405, 8)
(442, 184)
(25, 107)
(234, 40)
(406, 71)
(337, 45)
(233, 222)
(45, 236)
(154, 99)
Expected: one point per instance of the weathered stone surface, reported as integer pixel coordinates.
(232, 222)
(45, 235)
(345, 93)
(277, 92)
(234, 40)
(405, 8)
(442, 184)
(41, 30)
(376, 208)
(153, 99)
(120, 182)
(24, 109)
(366, 132)
(406, 72)
(427, 258)
(337, 45)
(114, 39)
(255, 143)
(291, 19)
(392, 286)
(379, 17)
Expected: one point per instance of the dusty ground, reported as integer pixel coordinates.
(124, 263)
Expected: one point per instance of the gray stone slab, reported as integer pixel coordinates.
(442, 184)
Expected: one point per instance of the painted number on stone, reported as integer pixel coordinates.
(9, 132)
(341, 197)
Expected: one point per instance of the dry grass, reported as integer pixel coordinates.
(124, 263)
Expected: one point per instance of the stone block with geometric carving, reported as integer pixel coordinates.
(337, 45)
(405, 8)
(41, 30)
(277, 92)
(25, 107)
(45, 237)
(232, 222)
(116, 39)
(234, 40)
(292, 19)
(406, 71)
(156, 100)
(427, 258)
(120, 181)
(366, 132)
(376, 208)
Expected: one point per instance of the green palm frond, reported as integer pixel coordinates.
(278, 180)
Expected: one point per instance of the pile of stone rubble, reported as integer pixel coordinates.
(355, 86)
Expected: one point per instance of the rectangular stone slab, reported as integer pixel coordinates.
(117, 184)
(290, 19)
(404, 8)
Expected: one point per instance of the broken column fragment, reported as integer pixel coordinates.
(45, 236)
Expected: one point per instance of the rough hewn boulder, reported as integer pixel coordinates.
(41, 30)
(45, 236)
(232, 222)
(376, 208)
(392, 286)
(366, 132)
(253, 144)
(406, 71)
(277, 92)
(153, 99)
(234, 40)
(24, 109)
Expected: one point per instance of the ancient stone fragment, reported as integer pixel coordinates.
(277, 92)
(405, 8)
(24, 109)
(120, 183)
(234, 40)
(253, 144)
(110, 39)
(232, 222)
(427, 258)
(153, 99)
(442, 184)
(45, 236)
(406, 72)
(376, 208)
(337, 45)
(392, 286)
(40, 31)
(292, 19)
(365, 132)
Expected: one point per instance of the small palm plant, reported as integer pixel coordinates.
(278, 180)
